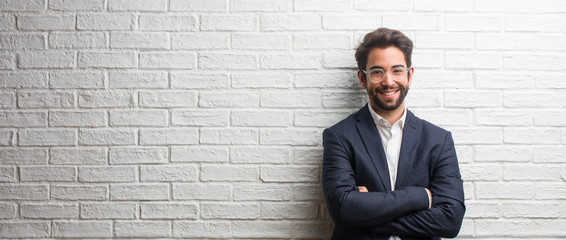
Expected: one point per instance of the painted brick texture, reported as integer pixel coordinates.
(203, 119)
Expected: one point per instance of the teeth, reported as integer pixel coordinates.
(388, 93)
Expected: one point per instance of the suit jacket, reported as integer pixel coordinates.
(354, 156)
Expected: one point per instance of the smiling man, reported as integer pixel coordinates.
(386, 173)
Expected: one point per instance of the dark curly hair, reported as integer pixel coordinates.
(383, 38)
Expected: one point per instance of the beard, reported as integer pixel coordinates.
(391, 104)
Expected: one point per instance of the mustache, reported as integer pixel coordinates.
(388, 88)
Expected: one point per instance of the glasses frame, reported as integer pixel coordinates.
(385, 72)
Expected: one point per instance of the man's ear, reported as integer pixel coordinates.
(411, 73)
(362, 77)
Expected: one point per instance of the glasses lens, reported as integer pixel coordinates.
(397, 74)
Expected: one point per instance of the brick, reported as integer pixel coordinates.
(545, 23)
(82, 229)
(307, 193)
(49, 211)
(471, 98)
(338, 60)
(295, 99)
(138, 80)
(108, 22)
(531, 136)
(169, 136)
(24, 192)
(289, 210)
(80, 156)
(190, 80)
(368, 5)
(320, 5)
(22, 41)
(473, 23)
(104, 137)
(290, 61)
(230, 210)
(136, 5)
(47, 137)
(451, 40)
(554, 190)
(503, 6)
(174, 23)
(167, 99)
(320, 230)
(7, 174)
(7, 100)
(76, 80)
(260, 5)
(7, 23)
(23, 156)
(481, 172)
(232, 99)
(8, 210)
(260, 41)
(261, 229)
(169, 211)
(293, 137)
(261, 80)
(228, 23)
(468, 60)
(465, 154)
(229, 136)
(104, 174)
(111, 210)
(505, 117)
(130, 118)
(143, 229)
(531, 172)
(189, 117)
(531, 209)
(24, 229)
(447, 117)
(79, 192)
(531, 62)
(263, 193)
(307, 155)
(343, 99)
(23, 119)
(261, 118)
(201, 40)
(199, 154)
(504, 81)
(322, 41)
(325, 80)
(206, 191)
(46, 59)
(32, 5)
(549, 42)
(549, 7)
(424, 98)
(413, 22)
(522, 100)
(107, 60)
(519, 227)
(138, 155)
(139, 40)
(74, 5)
(483, 209)
(495, 41)
(192, 229)
(228, 61)
(480, 136)
(167, 60)
(351, 22)
(168, 173)
(229, 173)
(502, 153)
(504, 190)
(139, 192)
(444, 6)
(77, 119)
(46, 22)
(290, 22)
(50, 99)
(48, 174)
(428, 59)
(7, 60)
(289, 174)
(199, 6)
(469, 191)
(548, 154)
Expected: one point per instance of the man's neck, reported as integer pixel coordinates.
(392, 116)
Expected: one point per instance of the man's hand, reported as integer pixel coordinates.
(362, 189)
(429, 197)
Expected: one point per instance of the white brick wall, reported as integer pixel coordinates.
(203, 119)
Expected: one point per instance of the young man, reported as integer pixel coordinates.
(386, 173)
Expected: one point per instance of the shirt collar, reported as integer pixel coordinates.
(381, 122)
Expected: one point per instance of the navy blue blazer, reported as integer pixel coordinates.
(354, 156)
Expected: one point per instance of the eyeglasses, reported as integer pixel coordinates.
(377, 75)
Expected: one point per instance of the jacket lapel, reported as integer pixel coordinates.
(372, 142)
(411, 132)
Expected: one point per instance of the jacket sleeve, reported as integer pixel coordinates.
(445, 217)
(350, 208)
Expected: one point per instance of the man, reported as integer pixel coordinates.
(386, 173)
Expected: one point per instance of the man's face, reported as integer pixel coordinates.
(388, 94)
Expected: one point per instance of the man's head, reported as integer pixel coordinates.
(384, 68)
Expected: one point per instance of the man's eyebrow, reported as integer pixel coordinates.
(379, 67)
